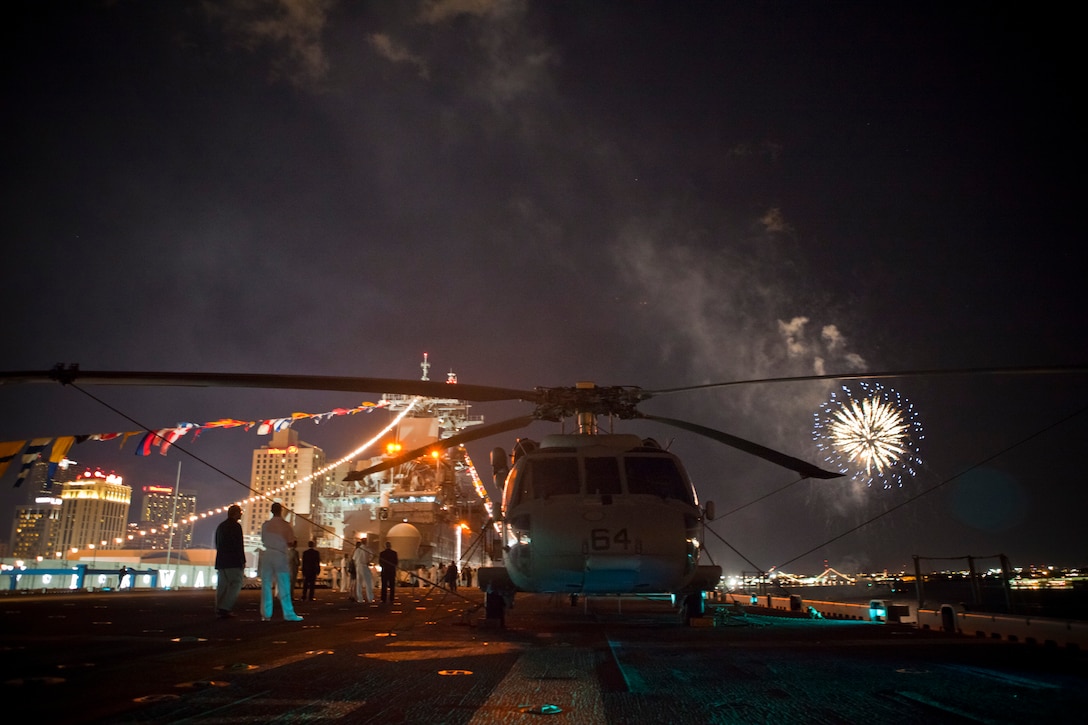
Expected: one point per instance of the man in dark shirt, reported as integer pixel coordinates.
(230, 562)
(451, 576)
(311, 567)
(388, 560)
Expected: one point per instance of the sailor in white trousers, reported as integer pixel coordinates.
(276, 565)
(364, 580)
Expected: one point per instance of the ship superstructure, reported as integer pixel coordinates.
(433, 508)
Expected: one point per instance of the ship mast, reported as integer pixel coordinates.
(429, 419)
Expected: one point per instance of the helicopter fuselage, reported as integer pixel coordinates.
(596, 514)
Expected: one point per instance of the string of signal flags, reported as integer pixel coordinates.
(55, 449)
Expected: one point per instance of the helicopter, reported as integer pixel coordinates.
(590, 512)
(585, 512)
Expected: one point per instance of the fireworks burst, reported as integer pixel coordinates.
(873, 437)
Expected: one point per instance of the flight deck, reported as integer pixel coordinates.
(433, 657)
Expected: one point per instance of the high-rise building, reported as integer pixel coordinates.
(94, 509)
(35, 528)
(284, 471)
(159, 508)
(37, 478)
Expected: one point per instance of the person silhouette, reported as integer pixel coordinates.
(364, 580)
(294, 564)
(311, 567)
(230, 562)
(451, 576)
(388, 560)
(276, 534)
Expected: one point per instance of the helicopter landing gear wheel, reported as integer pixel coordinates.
(692, 607)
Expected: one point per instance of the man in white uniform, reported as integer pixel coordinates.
(276, 533)
(364, 581)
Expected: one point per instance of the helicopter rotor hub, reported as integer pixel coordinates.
(619, 401)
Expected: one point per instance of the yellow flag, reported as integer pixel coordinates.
(8, 451)
(61, 446)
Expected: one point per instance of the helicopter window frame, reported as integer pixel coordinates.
(600, 472)
(547, 480)
(669, 481)
(517, 487)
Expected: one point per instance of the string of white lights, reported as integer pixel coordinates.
(478, 485)
(193, 518)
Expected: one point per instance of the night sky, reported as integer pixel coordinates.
(659, 194)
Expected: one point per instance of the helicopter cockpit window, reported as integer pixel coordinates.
(602, 476)
(553, 476)
(656, 476)
(517, 488)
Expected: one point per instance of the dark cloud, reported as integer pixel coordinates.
(537, 194)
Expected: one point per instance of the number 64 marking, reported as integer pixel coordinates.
(603, 539)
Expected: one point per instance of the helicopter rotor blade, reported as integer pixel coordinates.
(453, 441)
(1031, 370)
(426, 388)
(794, 464)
